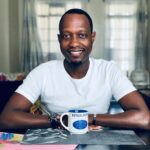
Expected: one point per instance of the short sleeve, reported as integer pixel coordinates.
(31, 86)
(119, 83)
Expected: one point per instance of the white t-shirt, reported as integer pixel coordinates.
(59, 92)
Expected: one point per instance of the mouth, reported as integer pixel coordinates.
(76, 53)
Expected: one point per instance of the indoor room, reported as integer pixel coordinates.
(29, 36)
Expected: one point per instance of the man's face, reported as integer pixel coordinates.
(75, 38)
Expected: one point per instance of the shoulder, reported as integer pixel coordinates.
(46, 68)
(103, 63)
(107, 68)
(55, 64)
(50, 64)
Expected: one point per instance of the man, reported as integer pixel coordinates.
(77, 82)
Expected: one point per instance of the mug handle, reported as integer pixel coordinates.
(61, 120)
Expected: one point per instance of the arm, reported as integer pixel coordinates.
(135, 115)
(16, 115)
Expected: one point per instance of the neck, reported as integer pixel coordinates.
(76, 70)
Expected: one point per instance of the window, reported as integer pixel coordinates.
(48, 16)
(121, 32)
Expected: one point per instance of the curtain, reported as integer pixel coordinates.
(31, 51)
(126, 37)
(140, 75)
(141, 41)
(120, 38)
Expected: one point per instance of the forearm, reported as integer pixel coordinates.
(128, 119)
(23, 120)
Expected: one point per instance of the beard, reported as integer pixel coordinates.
(76, 55)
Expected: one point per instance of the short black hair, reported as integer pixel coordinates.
(76, 11)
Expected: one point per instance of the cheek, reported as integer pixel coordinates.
(63, 44)
(88, 45)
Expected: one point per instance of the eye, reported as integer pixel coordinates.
(82, 35)
(66, 36)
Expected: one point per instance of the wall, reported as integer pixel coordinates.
(4, 36)
(96, 10)
(14, 35)
(10, 32)
(9, 42)
(9, 49)
(148, 39)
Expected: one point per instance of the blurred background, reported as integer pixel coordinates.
(29, 28)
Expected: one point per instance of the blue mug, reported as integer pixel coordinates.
(77, 121)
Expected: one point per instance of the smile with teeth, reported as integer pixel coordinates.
(76, 53)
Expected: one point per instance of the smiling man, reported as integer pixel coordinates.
(76, 39)
(77, 82)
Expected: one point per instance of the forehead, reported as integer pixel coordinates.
(75, 21)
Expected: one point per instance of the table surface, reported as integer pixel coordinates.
(143, 134)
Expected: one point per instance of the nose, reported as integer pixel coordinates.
(74, 42)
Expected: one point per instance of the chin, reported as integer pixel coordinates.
(76, 62)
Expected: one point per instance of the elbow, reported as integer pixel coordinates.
(5, 121)
(145, 121)
(147, 124)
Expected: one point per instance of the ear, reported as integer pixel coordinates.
(93, 36)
